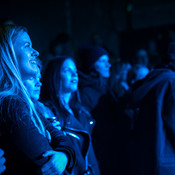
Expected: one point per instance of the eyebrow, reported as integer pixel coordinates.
(69, 68)
(28, 42)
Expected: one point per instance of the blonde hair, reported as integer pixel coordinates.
(10, 78)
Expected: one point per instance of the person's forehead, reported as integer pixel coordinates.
(68, 63)
(22, 37)
(104, 57)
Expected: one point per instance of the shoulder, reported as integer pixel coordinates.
(86, 120)
(90, 92)
(84, 114)
(13, 101)
(157, 78)
(168, 74)
(13, 107)
(87, 89)
(166, 77)
(51, 108)
(43, 109)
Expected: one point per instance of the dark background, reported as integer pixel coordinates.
(124, 25)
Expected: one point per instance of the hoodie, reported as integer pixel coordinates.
(154, 127)
(91, 88)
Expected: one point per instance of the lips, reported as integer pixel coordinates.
(107, 69)
(74, 81)
(37, 91)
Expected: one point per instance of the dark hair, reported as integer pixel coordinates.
(50, 91)
(88, 55)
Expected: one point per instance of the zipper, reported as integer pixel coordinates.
(74, 135)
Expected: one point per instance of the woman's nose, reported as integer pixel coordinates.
(108, 64)
(35, 53)
(75, 74)
(38, 84)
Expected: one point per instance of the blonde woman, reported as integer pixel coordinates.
(31, 144)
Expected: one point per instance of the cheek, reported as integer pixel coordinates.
(65, 80)
(25, 67)
(28, 87)
(98, 68)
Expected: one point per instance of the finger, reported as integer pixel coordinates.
(50, 171)
(1, 152)
(2, 160)
(45, 170)
(57, 126)
(56, 123)
(2, 169)
(54, 166)
(48, 153)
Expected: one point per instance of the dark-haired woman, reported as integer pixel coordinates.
(59, 91)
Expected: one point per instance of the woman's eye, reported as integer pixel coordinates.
(70, 71)
(27, 45)
(31, 78)
(66, 70)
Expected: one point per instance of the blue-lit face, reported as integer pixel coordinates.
(25, 54)
(33, 85)
(102, 66)
(141, 73)
(69, 76)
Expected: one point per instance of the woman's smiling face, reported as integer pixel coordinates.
(25, 54)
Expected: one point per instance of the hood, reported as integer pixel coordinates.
(142, 88)
(92, 80)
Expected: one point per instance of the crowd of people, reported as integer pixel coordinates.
(83, 115)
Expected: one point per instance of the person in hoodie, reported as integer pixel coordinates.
(154, 99)
(59, 92)
(94, 74)
(104, 105)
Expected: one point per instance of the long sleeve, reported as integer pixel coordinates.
(168, 111)
(60, 142)
(24, 138)
(93, 163)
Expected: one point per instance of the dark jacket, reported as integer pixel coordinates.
(79, 128)
(112, 130)
(91, 88)
(155, 125)
(23, 144)
(112, 135)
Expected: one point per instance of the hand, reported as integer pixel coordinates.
(120, 88)
(57, 124)
(54, 122)
(56, 164)
(2, 161)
